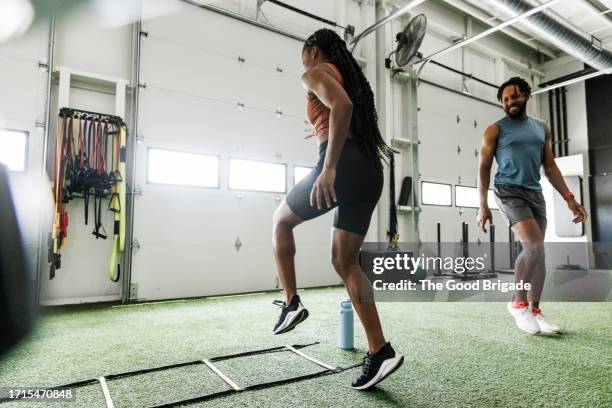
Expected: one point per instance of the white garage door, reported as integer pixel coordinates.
(450, 128)
(213, 87)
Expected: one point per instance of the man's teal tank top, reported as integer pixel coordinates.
(519, 152)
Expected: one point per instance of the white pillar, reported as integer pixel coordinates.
(63, 98)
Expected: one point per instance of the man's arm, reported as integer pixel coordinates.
(487, 152)
(553, 174)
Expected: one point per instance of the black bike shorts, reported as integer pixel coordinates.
(358, 185)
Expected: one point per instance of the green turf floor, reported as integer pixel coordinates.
(457, 354)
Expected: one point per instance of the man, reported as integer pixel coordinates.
(521, 145)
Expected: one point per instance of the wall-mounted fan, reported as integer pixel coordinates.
(408, 42)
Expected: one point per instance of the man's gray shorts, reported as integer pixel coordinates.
(517, 204)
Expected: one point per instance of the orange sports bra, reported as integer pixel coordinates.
(316, 112)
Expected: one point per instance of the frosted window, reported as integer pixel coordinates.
(436, 194)
(299, 172)
(13, 145)
(257, 176)
(467, 197)
(184, 169)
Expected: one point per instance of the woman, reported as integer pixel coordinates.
(348, 177)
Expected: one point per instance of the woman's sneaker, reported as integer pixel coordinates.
(291, 315)
(376, 367)
(545, 327)
(525, 320)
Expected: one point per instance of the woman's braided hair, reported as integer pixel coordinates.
(364, 121)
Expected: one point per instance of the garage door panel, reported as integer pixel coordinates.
(161, 271)
(190, 71)
(470, 150)
(200, 28)
(437, 128)
(258, 229)
(439, 163)
(169, 119)
(161, 216)
(20, 106)
(430, 98)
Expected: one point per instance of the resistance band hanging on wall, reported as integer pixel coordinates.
(82, 171)
(118, 200)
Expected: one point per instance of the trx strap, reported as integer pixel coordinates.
(54, 245)
(99, 182)
(117, 199)
(121, 184)
(392, 233)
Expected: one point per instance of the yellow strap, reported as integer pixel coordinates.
(121, 189)
(113, 261)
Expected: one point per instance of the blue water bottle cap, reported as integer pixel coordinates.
(346, 304)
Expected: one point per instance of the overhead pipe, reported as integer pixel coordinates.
(524, 14)
(573, 43)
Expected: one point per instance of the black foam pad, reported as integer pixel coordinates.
(405, 191)
(16, 285)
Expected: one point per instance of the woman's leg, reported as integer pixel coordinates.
(345, 258)
(283, 245)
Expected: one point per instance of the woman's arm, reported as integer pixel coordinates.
(320, 81)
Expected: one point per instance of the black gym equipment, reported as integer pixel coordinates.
(465, 252)
(16, 287)
(514, 248)
(405, 191)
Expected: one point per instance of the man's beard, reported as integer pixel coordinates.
(519, 112)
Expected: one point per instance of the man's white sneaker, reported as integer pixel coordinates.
(545, 327)
(525, 320)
